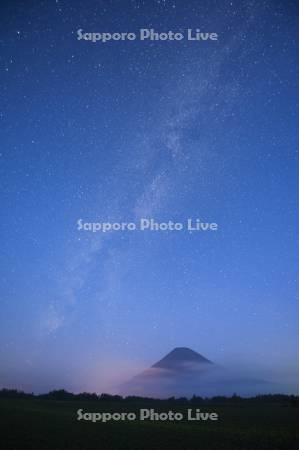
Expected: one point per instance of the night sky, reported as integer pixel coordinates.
(169, 130)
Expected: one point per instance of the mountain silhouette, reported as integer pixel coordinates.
(184, 372)
(180, 358)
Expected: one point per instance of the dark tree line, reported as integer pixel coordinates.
(64, 395)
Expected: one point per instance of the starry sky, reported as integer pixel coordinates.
(168, 130)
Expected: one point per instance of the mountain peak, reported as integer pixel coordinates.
(184, 372)
(181, 355)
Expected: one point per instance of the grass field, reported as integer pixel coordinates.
(34, 424)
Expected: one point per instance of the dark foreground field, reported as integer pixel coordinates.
(34, 424)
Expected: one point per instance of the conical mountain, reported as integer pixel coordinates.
(184, 372)
(181, 357)
(170, 375)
